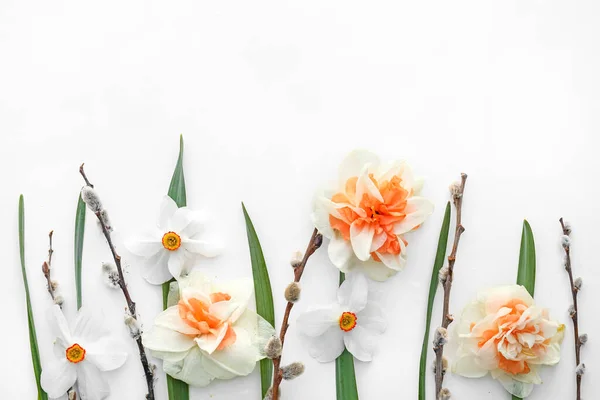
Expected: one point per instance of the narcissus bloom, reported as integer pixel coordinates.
(179, 237)
(367, 212)
(506, 334)
(351, 323)
(81, 353)
(210, 333)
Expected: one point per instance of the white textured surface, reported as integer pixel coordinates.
(270, 95)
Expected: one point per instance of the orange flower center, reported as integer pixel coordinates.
(196, 314)
(382, 216)
(171, 241)
(348, 321)
(75, 353)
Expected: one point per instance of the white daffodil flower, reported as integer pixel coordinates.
(81, 353)
(179, 237)
(352, 322)
(210, 333)
(367, 212)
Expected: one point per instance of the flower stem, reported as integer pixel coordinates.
(447, 318)
(575, 314)
(130, 303)
(315, 242)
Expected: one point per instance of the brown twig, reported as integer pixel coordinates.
(46, 266)
(575, 311)
(130, 303)
(315, 242)
(457, 198)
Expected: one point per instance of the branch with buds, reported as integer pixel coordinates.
(274, 346)
(575, 285)
(91, 199)
(446, 276)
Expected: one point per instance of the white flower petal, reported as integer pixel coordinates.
(354, 163)
(189, 369)
(316, 321)
(58, 376)
(361, 237)
(203, 247)
(91, 383)
(197, 281)
(241, 291)
(180, 220)
(258, 330)
(176, 262)
(397, 262)
(365, 185)
(197, 225)
(155, 270)
(417, 210)
(170, 319)
(495, 298)
(209, 343)
(468, 366)
(238, 359)
(371, 318)
(361, 343)
(513, 386)
(353, 292)
(88, 326)
(60, 326)
(167, 340)
(167, 210)
(377, 271)
(322, 208)
(105, 354)
(146, 245)
(326, 347)
(340, 251)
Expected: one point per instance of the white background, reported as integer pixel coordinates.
(270, 96)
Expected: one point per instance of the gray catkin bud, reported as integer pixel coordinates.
(105, 220)
(567, 229)
(565, 241)
(273, 347)
(577, 284)
(269, 395)
(292, 371)
(445, 394)
(54, 285)
(59, 300)
(580, 370)
(296, 259)
(443, 275)
(440, 338)
(134, 327)
(444, 365)
(292, 292)
(91, 199)
(455, 190)
(572, 311)
(72, 395)
(583, 338)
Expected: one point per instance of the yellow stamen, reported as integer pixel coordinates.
(348, 321)
(171, 241)
(75, 353)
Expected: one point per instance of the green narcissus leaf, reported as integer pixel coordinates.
(178, 390)
(79, 231)
(262, 294)
(35, 353)
(345, 379)
(526, 273)
(440, 256)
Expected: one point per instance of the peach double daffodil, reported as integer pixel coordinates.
(367, 212)
(179, 237)
(506, 334)
(209, 333)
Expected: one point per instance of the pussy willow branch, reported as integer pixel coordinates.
(315, 242)
(575, 314)
(46, 268)
(130, 303)
(457, 199)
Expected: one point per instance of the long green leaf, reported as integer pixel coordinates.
(440, 256)
(345, 378)
(526, 273)
(35, 353)
(262, 293)
(178, 390)
(79, 231)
